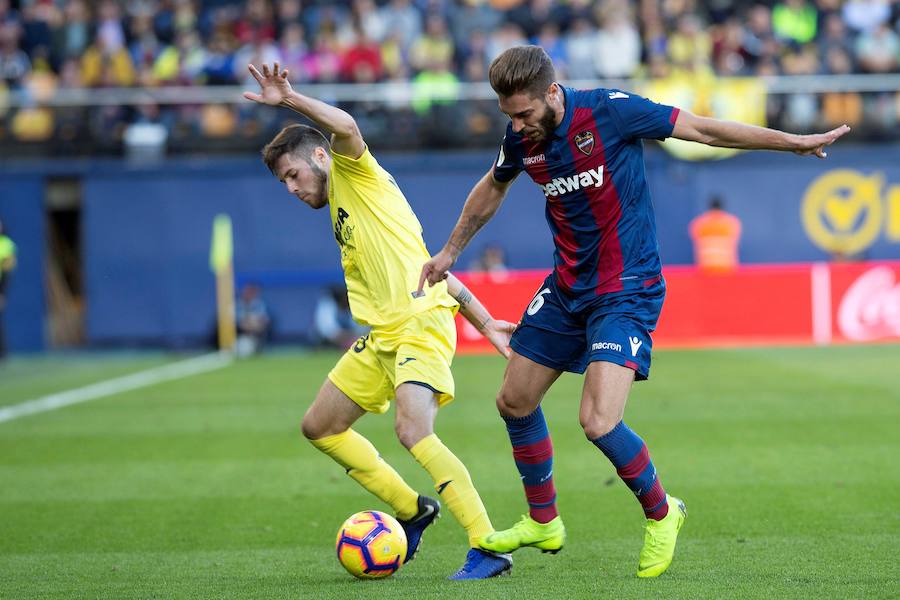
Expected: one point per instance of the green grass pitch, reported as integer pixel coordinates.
(203, 488)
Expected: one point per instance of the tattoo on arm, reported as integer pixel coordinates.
(465, 296)
(468, 229)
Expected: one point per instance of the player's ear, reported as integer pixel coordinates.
(552, 93)
(321, 156)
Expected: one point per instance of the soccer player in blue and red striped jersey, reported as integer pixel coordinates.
(595, 312)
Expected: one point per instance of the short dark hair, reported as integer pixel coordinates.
(299, 140)
(522, 69)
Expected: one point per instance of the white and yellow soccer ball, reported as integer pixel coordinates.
(371, 545)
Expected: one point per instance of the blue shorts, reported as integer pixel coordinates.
(614, 328)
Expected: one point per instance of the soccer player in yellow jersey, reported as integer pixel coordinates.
(408, 352)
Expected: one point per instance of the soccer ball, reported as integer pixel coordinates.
(371, 544)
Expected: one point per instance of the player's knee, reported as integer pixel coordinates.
(309, 429)
(312, 428)
(596, 426)
(512, 405)
(411, 431)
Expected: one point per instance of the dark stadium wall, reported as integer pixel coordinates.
(147, 228)
(22, 212)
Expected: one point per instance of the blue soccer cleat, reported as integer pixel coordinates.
(429, 510)
(481, 564)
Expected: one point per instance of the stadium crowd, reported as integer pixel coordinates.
(438, 45)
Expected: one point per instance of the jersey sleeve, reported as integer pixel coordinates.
(363, 167)
(638, 117)
(509, 160)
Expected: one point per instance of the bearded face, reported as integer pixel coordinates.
(545, 126)
(534, 117)
(304, 178)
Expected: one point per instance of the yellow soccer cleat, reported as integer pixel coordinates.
(659, 540)
(548, 537)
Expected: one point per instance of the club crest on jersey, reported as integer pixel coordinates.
(585, 142)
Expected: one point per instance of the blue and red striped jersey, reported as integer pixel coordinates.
(591, 171)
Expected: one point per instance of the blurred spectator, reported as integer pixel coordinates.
(618, 45)
(469, 16)
(690, 48)
(434, 47)
(106, 62)
(292, 48)
(878, 50)
(257, 24)
(795, 21)
(288, 13)
(866, 15)
(728, 57)
(7, 264)
(801, 109)
(531, 16)
(14, 63)
(38, 18)
(323, 63)
(834, 35)
(504, 37)
(435, 85)
(182, 62)
(759, 43)
(110, 34)
(550, 40)
(715, 235)
(366, 17)
(333, 325)
(145, 48)
(581, 44)
(220, 67)
(491, 260)
(73, 35)
(361, 61)
(393, 58)
(403, 18)
(252, 320)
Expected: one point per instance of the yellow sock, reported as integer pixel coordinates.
(453, 483)
(358, 456)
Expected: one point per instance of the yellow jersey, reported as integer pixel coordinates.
(380, 238)
(7, 251)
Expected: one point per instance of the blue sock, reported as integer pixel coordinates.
(533, 453)
(629, 455)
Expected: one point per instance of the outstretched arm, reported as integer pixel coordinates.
(729, 134)
(483, 201)
(275, 90)
(497, 332)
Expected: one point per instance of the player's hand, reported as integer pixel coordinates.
(273, 85)
(499, 333)
(435, 270)
(815, 144)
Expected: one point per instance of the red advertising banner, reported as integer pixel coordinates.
(865, 302)
(810, 303)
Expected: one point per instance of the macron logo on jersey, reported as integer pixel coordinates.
(606, 346)
(563, 185)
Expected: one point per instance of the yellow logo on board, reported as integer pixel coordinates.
(844, 211)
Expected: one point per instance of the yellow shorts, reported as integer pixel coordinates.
(420, 350)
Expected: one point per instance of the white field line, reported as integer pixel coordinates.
(178, 370)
